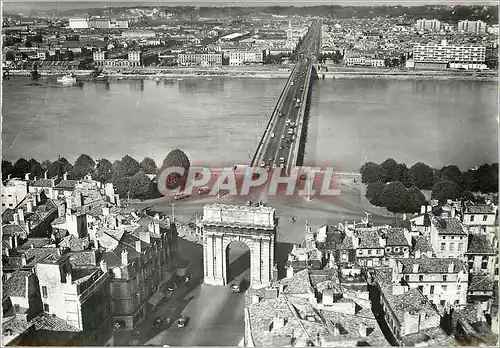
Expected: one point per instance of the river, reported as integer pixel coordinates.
(219, 121)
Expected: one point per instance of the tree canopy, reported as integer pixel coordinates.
(394, 197)
(126, 167)
(148, 166)
(371, 172)
(176, 158)
(422, 176)
(84, 165)
(139, 185)
(103, 171)
(59, 168)
(445, 189)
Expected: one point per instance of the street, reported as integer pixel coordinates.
(215, 314)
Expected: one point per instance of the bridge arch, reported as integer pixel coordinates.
(252, 226)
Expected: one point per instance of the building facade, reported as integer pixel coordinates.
(79, 296)
(472, 26)
(443, 53)
(428, 25)
(442, 280)
(199, 59)
(246, 57)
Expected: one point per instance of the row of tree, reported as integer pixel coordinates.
(395, 197)
(482, 179)
(127, 175)
(448, 182)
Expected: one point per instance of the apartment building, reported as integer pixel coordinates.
(472, 26)
(360, 60)
(369, 246)
(246, 57)
(444, 54)
(139, 34)
(78, 295)
(199, 59)
(78, 23)
(443, 280)
(481, 256)
(408, 313)
(448, 237)
(13, 192)
(142, 262)
(429, 25)
(134, 59)
(480, 218)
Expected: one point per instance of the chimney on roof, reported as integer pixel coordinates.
(105, 211)
(417, 254)
(382, 242)
(27, 176)
(318, 340)
(27, 280)
(451, 267)
(336, 331)
(69, 205)
(124, 257)
(61, 210)
(363, 330)
(117, 200)
(16, 218)
(23, 259)
(278, 323)
(69, 278)
(14, 241)
(46, 174)
(29, 206)
(415, 268)
(429, 209)
(79, 199)
(6, 251)
(138, 246)
(9, 176)
(35, 178)
(104, 266)
(65, 176)
(20, 212)
(423, 209)
(32, 246)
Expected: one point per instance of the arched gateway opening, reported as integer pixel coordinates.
(225, 229)
(238, 263)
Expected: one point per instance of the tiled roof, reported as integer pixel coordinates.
(43, 183)
(83, 258)
(480, 283)
(74, 243)
(412, 300)
(36, 242)
(479, 244)
(298, 284)
(422, 244)
(15, 325)
(369, 239)
(33, 256)
(431, 265)
(16, 284)
(66, 184)
(396, 237)
(51, 322)
(15, 230)
(479, 209)
(450, 226)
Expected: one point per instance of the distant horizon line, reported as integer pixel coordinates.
(376, 3)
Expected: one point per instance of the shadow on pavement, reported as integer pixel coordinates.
(238, 266)
(281, 251)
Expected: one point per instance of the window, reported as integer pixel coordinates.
(472, 218)
(452, 246)
(445, 278)
(421, 278)
(460, 246)
(485, 217)
(44, 291)
(379, 251)
(46, 307)
(443, 246)
(369, 251)
(407, 277)
(442, 302)
(396, 249)
(444, 287)
(421, 288)
(432, 289)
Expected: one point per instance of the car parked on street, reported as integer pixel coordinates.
(182, 322)
(159, 322)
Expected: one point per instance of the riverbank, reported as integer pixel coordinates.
(263, 72)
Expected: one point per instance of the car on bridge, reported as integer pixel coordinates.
(182, 322)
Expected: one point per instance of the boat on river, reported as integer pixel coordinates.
(67, 79)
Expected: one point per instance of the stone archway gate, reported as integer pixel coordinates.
(254, 226)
